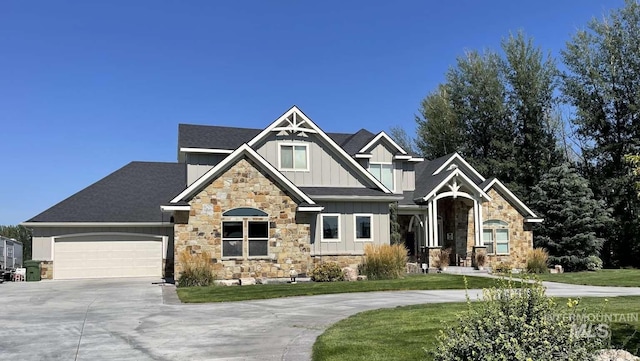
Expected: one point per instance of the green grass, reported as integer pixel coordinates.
(404, 333)
(605, 277)
(413, 282)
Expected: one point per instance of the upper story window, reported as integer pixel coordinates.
(495, 235)
(383, 172)
(294, 157)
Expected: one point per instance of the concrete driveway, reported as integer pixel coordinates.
(129, 319)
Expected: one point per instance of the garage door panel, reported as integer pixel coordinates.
(100, 259)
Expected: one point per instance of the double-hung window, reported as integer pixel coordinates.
(294, 157)
(245, 233)
(362, 227)
(330, 226)
(383, 172)
(495, 235)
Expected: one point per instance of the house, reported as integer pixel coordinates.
(263, 201)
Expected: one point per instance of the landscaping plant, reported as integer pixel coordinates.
(537, 261)
(326, 272)
(503, 267)
(481, 260)
(197, 269)
(515, 324)
(443, 258)
(383, 262)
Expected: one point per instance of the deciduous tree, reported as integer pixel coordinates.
(601, 82)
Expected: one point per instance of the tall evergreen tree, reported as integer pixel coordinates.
(574, 221)
(602, 84)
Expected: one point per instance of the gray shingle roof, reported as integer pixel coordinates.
(133, 193)
(358, 140)
(213, 137)
(216, 137)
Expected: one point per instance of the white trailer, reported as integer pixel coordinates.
(10, 253)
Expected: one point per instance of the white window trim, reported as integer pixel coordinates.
(249, 239)
(393, 173)
(293, 144)
(330, 240)
(355, 227)
(493, 229)
(223, 238)
(245, 237)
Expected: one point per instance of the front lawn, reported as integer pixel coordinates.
(605, 277)
(403, 333)
(431, 281)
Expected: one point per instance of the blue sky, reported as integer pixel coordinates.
(86, 87)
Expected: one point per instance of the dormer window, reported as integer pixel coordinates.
(383, 172)
(294, 157)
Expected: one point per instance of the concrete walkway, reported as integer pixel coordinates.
(132, 320)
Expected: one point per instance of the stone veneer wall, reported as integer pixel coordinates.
(352, 261)
(244, 185)
(46, 270)
(520, 233)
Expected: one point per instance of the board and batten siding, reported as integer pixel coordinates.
(408, 177)
(198, 164)
(41, 243)
(381, 154)
(326, 169)
(380, 228)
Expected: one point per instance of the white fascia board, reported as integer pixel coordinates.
(386, 198)
(416, 159)
(534, 220)
(325, 137)
(512, 197)
(377, 138)
(402, 157)
(243, 149)
(457, 156)
(455, 173)
(96, 224)
(206, 150)
(311, 209)
(364, 155)
(175, 208)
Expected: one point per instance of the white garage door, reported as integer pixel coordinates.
(107, 258)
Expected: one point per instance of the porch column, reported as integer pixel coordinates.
(434, 220)
(428, 222)
(476, 223)
(480, 223)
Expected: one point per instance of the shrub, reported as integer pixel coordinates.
(577, 264)
(594, 263)
(537, 261)
(503, 267)
(516, 325)
(383, 262)
(443, 258)
(197, 269)
(326, 272)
